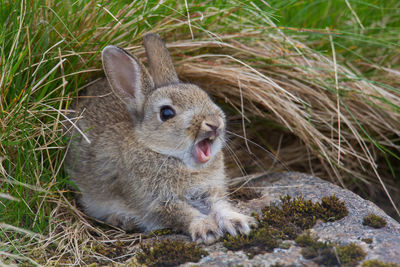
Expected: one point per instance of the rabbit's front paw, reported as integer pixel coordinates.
(232, 221)
(204, 230)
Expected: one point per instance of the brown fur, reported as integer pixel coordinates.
(140, 170)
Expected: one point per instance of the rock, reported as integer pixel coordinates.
(385, 245)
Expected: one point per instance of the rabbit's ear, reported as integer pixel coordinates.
(161, 67)
(126, 77)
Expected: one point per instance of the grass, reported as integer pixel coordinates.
(313, 83)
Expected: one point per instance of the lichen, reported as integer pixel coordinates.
(328, 253)
(374, 221)
(376, 263)
(285, 222)
(169, 253)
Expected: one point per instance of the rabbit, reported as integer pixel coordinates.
(149, 152)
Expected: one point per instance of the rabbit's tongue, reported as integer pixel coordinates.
(202, 151)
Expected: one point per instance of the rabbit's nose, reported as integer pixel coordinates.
(212, 124)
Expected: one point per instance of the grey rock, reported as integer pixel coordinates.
(386, 241)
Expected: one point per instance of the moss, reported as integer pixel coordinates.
(329, 254)
(374, 221)
(285, 222)
(169, 253)
(258, 241)
(295, 215)
(350, 254)
(244, 193)
(159, 232)
(367, 240)
(332, 209)
(305, 240)
(317, 251)
(285, 245)
(114, 250)
(376, 263)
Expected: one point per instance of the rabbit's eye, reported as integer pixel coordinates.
(166, 113)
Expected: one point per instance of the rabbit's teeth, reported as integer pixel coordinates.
(202, 151)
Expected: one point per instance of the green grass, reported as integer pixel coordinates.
(366, 33)
(49, 50)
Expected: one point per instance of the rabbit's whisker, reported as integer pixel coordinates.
(257, 160)
(236, 159)
(276, 159)
(242, 170)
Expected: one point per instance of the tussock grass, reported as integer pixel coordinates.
(310, 87)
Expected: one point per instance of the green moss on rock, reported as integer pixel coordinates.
(332, 209)
(376, 263)
(169, 253)
(285, 222)
(297, 214)
(350, 254)
(367, 240)
(374, 221)
(159, 232)
(285, 245)
(317, 251)
(258, 241)
(329, 254)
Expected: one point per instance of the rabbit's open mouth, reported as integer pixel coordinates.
(202, 150)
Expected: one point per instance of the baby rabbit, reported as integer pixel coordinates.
(151, 155)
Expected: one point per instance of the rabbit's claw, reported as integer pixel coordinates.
(205, 230)
(233, 222)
